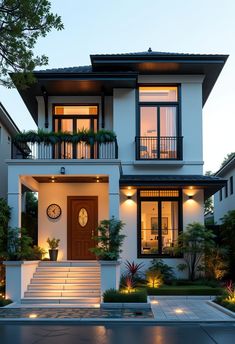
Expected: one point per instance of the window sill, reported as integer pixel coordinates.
(159, 162)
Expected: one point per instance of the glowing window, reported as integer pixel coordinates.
(158, 94)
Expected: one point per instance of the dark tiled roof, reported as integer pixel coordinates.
(147, 53)
(226, 167)
(79, 69)
(171, 178)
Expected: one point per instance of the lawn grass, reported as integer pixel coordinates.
(184, 290)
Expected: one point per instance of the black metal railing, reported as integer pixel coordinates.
(65, 150)
(159, 148)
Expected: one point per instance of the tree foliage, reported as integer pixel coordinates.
(22, 22)
(109, 239)
(227, 158)
(208, 205)
(228, 239)
(194, 243)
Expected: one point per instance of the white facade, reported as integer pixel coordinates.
(224, 200)
(121, 115)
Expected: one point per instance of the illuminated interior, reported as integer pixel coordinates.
(158, 94)
(159, 222)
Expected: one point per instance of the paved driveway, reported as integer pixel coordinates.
(117, 334)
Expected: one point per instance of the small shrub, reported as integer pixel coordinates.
(4, 302)
(112, 295)
(165, 270)
(154, 278)
(53, 243)
(230, 291)
(133, 269)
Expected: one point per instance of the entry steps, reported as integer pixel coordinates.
(68, 282)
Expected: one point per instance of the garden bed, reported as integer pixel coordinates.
(185, 290)
(115, 296)
(230, 305)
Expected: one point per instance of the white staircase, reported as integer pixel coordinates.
(69, 282)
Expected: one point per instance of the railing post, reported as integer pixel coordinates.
(116, 148)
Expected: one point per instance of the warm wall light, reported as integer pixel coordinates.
(129, 197)
(62, 170)
(190, 197)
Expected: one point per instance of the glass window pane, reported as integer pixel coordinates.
(149, 227)
(169, 225)
(67, 125)
(158, 94)
(83, 124)
(168, 133)
(76, 110)
(148, 132)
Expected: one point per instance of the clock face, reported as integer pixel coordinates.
(54, 211)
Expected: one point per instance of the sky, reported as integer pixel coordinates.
(119, 26)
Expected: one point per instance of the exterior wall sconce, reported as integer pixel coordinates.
(190, 197)
(62, 170)
(129, 197)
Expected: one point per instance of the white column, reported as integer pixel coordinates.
(114, 197)
(14, 199)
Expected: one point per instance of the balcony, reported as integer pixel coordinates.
(82, 145)
(159, 148)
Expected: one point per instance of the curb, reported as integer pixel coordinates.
(221, 308)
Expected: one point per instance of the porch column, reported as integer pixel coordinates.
(114, 197)
(14, 199)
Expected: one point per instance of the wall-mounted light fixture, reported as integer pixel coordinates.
(190, 197)
(129, 197)
(62, 170)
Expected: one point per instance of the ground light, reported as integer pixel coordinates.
(179, 311)
(33, 316)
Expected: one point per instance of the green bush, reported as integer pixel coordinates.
(166, 271)
(196, 290)
(225, 303)
(4, 302)
(112, 295)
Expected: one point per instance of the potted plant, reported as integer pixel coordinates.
(107, 251)
(53, 248)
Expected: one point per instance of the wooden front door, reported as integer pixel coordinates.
(82, 225)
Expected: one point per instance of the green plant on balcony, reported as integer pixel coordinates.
(87, 136)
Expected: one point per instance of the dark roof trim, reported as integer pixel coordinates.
(226, 167)
(7, 121)
(86, 76)
(210, 184)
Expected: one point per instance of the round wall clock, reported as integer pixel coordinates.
(54, 211)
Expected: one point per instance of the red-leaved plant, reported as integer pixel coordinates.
(133, 269)
(230, 290)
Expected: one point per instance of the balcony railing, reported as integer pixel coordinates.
(65, 150)
(159, 148)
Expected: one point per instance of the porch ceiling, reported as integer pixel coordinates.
(210, 184)
(70, 179)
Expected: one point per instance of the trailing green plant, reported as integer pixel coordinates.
(53, 243)
(194, 243)
(112, 295)
(109, 240)
(84, 135)
(165, 270)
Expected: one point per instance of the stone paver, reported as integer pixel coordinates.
(179, 309)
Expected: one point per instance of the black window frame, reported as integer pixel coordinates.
(158, 105)
(74, 117)
(226, 190)
(231, 185)
(178, 199)
(220, 195)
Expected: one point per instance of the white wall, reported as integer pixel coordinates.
(227, 203)
(57, 193)
(5, 153)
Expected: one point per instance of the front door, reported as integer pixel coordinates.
(82, 225)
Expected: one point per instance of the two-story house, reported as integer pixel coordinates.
(224, 199)
(151, 177)
(8, 130)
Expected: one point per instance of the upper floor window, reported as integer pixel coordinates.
(73, 118)
(231, 185)
(159, 127)
(158, 94)
(220, 195)
(226, 190)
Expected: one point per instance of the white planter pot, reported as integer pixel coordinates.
(110, 274)
(18, 276)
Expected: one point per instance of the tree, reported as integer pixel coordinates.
(227, 158)
(21, 24)
(194, 243)
(228, 239)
